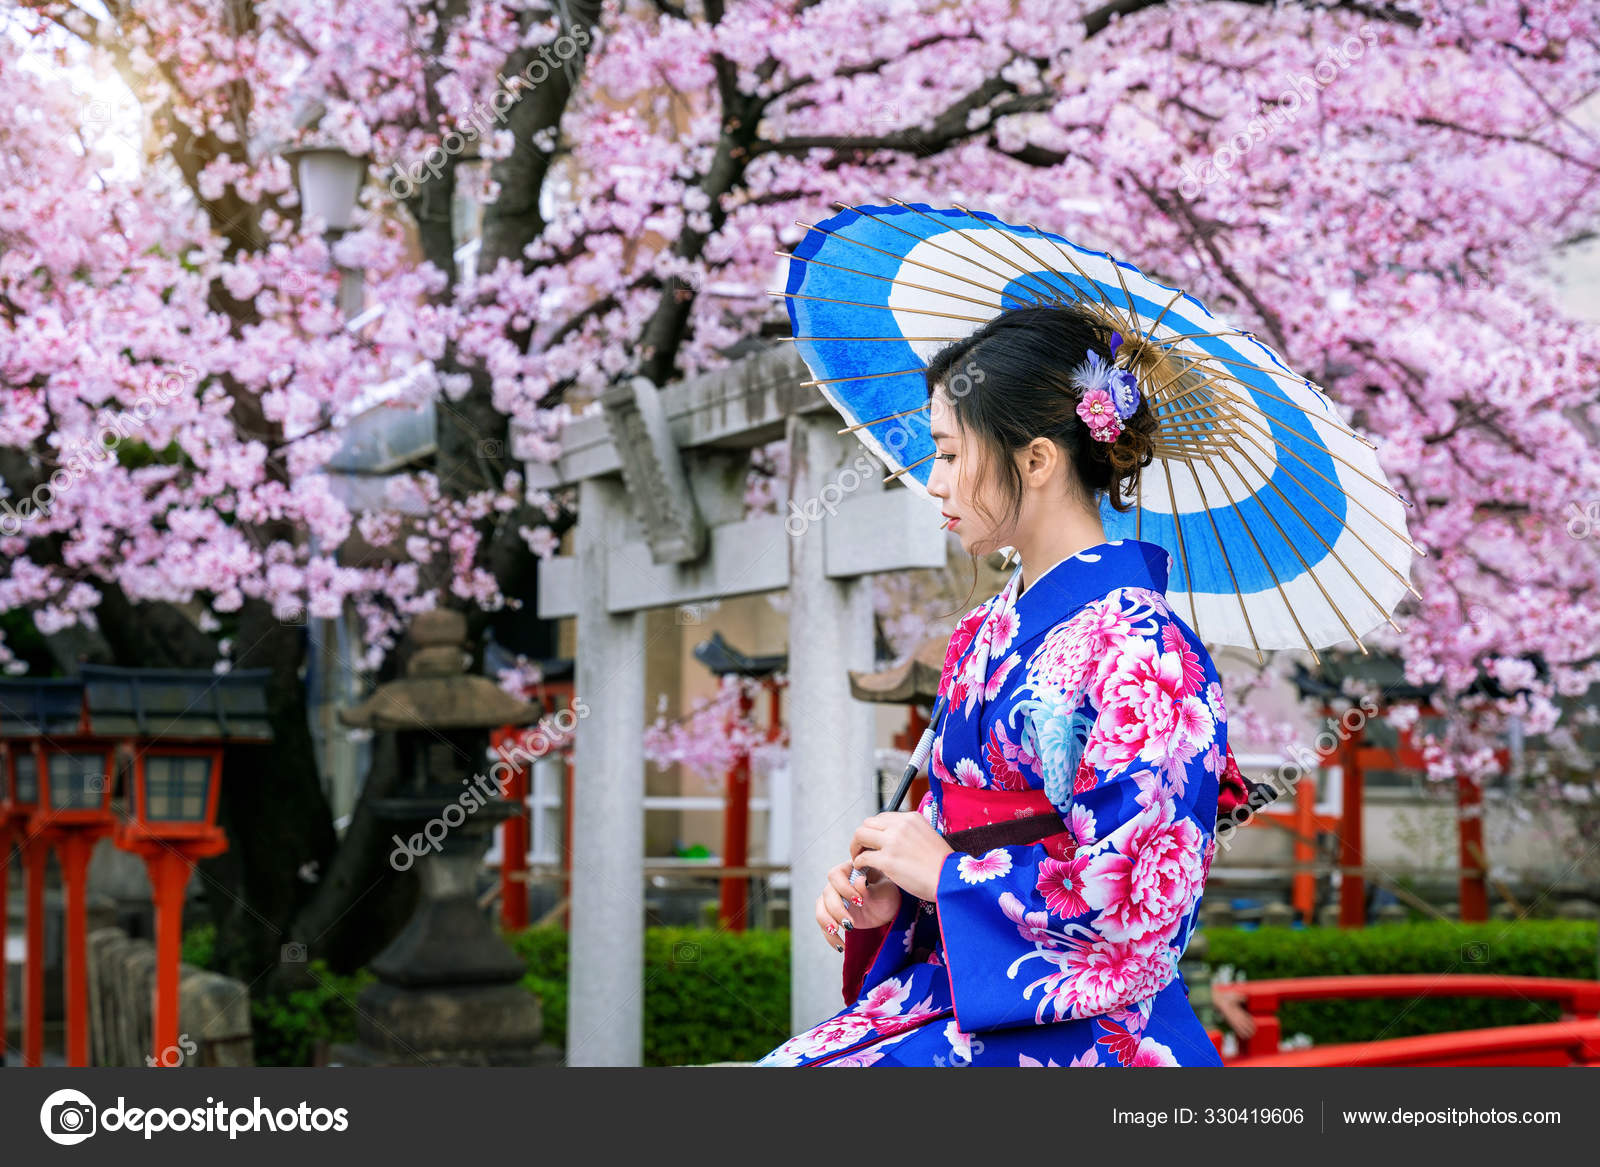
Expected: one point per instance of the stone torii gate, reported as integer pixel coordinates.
(660, 476)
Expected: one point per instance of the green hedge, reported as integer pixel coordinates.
(1538, 948)
(709, 996)
(289, 1026)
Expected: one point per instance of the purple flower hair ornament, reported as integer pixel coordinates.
(1109, 395)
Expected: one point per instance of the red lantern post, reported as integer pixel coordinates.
(76, 775)
(174, 804)
(35, 858)
(13, 818)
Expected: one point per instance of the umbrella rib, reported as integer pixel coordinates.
(1116, 314)
(1233, 410)
(902, 259)
(906, 469)
(1276, 582)
(1156, 323)
(1053, 293)
(1332, 419)
(1052, 268)
(1171, 415)
(1181, 336)
(861, 425)
(1133, 313)
(855, 338)
(1227, 561)
(899, 282)
(1163, 398)
(1160, 391)
(1337, 518)
(1183, 554)
(930, 242)
(1196, 356)
(880, 307)
(1017, 241)
(1400, 535)
(1268, 369)
(1228, 394)
(1329, 450)
(1319, 537)
(862, 377)
(1290, 543)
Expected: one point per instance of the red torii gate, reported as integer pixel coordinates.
(1354, 755)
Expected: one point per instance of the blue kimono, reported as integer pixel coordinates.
(1089, 696)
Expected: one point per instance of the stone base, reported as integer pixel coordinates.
(459, 1025)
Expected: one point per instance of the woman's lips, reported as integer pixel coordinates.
(951, 525)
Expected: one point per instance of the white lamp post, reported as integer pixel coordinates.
(329, 180)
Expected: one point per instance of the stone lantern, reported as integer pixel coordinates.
(448, 989)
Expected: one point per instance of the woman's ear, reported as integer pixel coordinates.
(1037, 461)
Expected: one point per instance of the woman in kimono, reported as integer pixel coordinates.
(1077, 764)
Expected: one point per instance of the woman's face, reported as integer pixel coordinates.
(954, 480)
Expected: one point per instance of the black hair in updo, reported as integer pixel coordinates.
(1011, 382)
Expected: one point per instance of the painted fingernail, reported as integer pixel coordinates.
(856, 900)
(846, 925)
(838, 947)
(833, 929)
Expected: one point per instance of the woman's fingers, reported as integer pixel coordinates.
(829, 926)
(839, 881)
(866, 837)
(834, 904)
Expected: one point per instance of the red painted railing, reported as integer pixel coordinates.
(1252, 1010)
(1555, 1043)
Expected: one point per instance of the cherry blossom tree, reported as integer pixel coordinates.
(1374, 188)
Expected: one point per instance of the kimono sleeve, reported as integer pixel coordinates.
(1128, 732)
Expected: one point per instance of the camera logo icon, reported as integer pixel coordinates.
(68, 1117)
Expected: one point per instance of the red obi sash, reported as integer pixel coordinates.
(976, 806)
(977, 819)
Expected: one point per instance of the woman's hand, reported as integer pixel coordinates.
(879, 901)
(903, 846)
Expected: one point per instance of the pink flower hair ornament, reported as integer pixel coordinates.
(1109, 394)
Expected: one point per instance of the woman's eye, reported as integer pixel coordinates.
(944, 457)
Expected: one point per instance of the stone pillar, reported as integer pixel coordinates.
(605, 994)
(830, 733)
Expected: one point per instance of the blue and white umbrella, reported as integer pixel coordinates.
(1283, 530)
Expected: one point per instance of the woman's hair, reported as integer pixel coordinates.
(1011, 382)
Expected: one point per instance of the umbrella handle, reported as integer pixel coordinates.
(919, 757)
